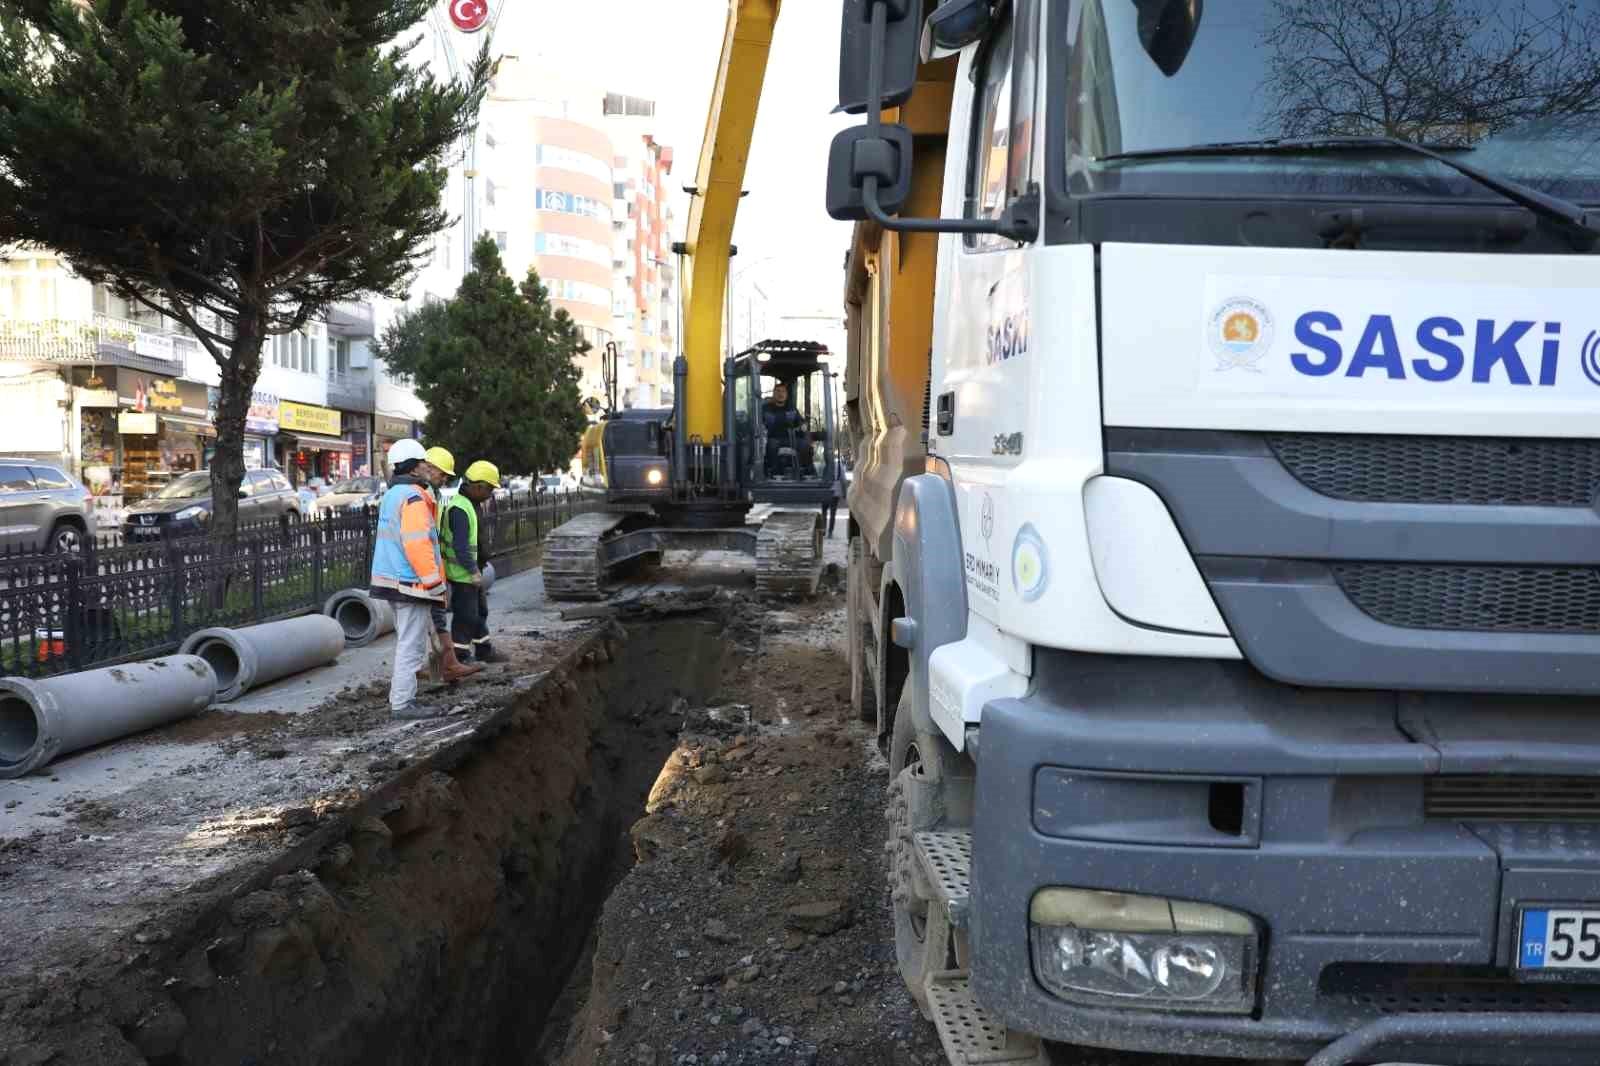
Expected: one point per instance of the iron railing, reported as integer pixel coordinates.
(117, 602)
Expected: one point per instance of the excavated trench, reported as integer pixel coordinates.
(441, 923)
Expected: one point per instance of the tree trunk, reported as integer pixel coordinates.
(238, 381)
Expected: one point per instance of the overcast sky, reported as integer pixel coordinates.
(667, 50)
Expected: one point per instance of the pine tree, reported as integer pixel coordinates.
(237, 166)
(496, 366)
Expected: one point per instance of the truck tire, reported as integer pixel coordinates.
(863, 697)
(918, 764)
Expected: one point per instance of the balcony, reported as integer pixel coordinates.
(355, 391)
(98, 340)
(350, 320)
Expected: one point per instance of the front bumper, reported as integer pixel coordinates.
(1381, 926)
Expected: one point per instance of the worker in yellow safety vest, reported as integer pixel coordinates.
(463, 564)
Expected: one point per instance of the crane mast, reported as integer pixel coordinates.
(730, 124)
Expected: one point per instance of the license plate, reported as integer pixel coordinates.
(1559, 938)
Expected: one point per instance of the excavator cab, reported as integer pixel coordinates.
(785, 424)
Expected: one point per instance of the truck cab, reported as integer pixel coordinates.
(1240, 640)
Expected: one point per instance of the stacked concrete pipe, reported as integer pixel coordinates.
(259, 655)
(43, 719)
(362, 618)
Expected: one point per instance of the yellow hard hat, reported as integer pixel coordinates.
(484, 471)
(441, 459)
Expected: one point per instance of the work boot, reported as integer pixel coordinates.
(484, 652)
(454, 669)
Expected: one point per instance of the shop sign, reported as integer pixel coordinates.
(137, 423)
(263, 415)
(94, 377)
(308, 419)
(147, 392)
(155, 345)
(393, 428)
(195, 399)
(97, 398)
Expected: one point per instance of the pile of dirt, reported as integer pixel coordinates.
(755, 925)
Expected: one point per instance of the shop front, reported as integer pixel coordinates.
(157, 439)
(311, 443)
(386, 430)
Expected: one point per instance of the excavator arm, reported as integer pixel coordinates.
(730, 124)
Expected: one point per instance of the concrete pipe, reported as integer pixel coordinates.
(259, 655)
(41, 720)
(362, 618)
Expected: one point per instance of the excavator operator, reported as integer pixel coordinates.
(789, 450)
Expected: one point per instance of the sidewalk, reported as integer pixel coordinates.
(113, 774)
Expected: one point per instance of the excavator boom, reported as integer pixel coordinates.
(730, 124)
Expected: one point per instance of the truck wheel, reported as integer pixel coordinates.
(917, 766)
(863, 698)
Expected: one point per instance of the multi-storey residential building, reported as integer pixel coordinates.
(643, 248)
(545, 167)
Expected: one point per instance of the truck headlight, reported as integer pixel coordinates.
(1110, 949)
(654, 476)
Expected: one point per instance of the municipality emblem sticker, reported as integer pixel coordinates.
(1240, 334)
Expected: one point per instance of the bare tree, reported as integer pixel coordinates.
(1435, 71)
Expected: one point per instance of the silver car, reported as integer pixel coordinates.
(42, 508)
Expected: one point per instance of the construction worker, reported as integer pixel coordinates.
(408, 570)
(463, 564)
(443, 465)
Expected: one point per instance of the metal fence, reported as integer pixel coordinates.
(116, 602)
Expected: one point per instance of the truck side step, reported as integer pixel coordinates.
(946, 857)
(970, 1037)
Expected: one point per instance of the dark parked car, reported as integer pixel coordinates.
(184, 505)
(42, 508)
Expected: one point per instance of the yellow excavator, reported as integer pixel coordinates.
(687, 476)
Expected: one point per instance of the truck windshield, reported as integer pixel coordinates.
(1514, 88)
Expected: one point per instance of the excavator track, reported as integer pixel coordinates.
(789, 554)
(572, 556)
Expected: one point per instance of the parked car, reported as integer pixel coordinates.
(185, 504)
(42, 508)
(558, 483)
(352, 494)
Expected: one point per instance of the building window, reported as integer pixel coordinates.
(488, 191)
(312, 354)
(574, 247)
(558, 158)
(501, 240)
(566, 203)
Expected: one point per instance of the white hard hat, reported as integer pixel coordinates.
(407, 450)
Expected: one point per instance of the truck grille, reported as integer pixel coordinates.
(1459, 470)
(1382, 989)
(1498, 798)
(1500, 599)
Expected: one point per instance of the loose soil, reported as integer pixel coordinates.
(754, 926)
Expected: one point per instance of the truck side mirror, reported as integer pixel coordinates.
(883, 152)
(899, 55)
(955, 25)
(1167, 29)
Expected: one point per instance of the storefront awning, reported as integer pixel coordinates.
(198, 426)
(313, 442)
